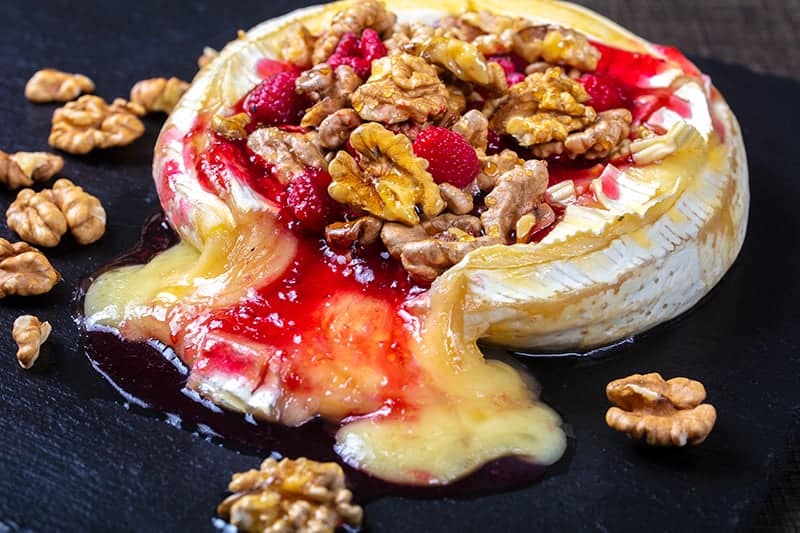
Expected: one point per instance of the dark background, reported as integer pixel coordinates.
(74, 456)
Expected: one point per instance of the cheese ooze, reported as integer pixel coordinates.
(275, 324)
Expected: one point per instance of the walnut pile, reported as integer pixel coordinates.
(290, 495)
(51, 85)
(22, 169)
(158, 94)
(330, 90)
(662, 413)
(24, 270)
(29, 334)
(89, 122)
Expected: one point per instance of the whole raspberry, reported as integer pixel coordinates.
(451, 158)
(274, 101)
(307, 198)
(358, 53)
(604, 92)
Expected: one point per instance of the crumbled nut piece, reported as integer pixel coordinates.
(402, 87)
(387, 180)
(24, 270)
(517, 193)
(664, 413)
(545, 107)
(51, 85)
(596, 141)
(233, 127)
(354, 18)
(363, 230)
(299, 495)
(158, 94)
(23, 168)
(330, 89)
(208, 55)
(297, 46)
(531, 223)
(290, 153)
(463, 60)
(29, 334)
(474, 127)
(494, 166)
(84, 213)
(336, 128)
(36, 219)
(89, 122)
(458, 202)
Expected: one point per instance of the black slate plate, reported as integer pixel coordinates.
(74, 457)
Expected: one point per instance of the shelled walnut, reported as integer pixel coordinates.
(29, 333)
(89, 122)
(353, 18)
(51, 85)
(22, 169)
(158, 94)
(663, 413)
(330, 89)
(36, 219)
(290, 495)
(84, 213)
(289, 152)
(24, 270)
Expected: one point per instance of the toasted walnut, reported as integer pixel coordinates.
(158, 94)
(404, 34)
(458, 201)
(208, 55)
(517, 193)
(51, 85)
(363, 230)
(463, 60)
(545, 107)
(290, 153)
(233, 127)
(387, 180)
(532, 223)
(297, 46)
(88, 123)
(84, 213)
(336, 128)
(24, 270)
(474, 127)
(330, 89)
(494, 166)
(402, 87)
(29, 334)
(23, 168)
(354, 18)
(36, 219)
(663, 413)
(595, 142)
(287, 495)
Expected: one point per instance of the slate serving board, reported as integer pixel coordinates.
(75, 457)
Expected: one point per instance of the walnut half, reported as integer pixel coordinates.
(24, 270)
(29, 334)
(158, 94)
(663, 413)
(51, 85)
(23, 168)
(89, 122)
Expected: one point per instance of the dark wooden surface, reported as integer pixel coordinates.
(61, 426)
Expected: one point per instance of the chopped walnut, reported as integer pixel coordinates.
(459, 28)
(89, 122)
(158, 94)
(556, 46)
(84, 213)
(330, 89)
(458, 201)
(290, 153)
(23, 168)
(297, 46)
(24, 270)
(402, 87)
(336, 128)
(532, 223)
(209, 54)
(474, 127)
(29, 334)
(663, 413)
(463, 60)
(287, 495)
(488, 22)
(354, 18)
(363, 230)
(386, 180)
(597, 141)
(494, 166)
(545, 107)
(51, 85)
(516, 193)
(404, 34)
(36, 219)
(233, 127)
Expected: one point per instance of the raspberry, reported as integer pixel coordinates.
(451, 158)
(358, 53)
(274, 101)
(307, 198)
(604, 92)
(267, 67)
(514, 78)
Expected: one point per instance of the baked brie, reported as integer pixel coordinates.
(363, 191)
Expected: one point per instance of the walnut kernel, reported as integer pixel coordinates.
(463, 60)
(29, 334)
(36, 219)
(290, 153)
(84, 213)
(89, 122)
(24, 270)
(23, 168)
(516, 193)
(158, 94)
(51, 85)
(354, 18)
